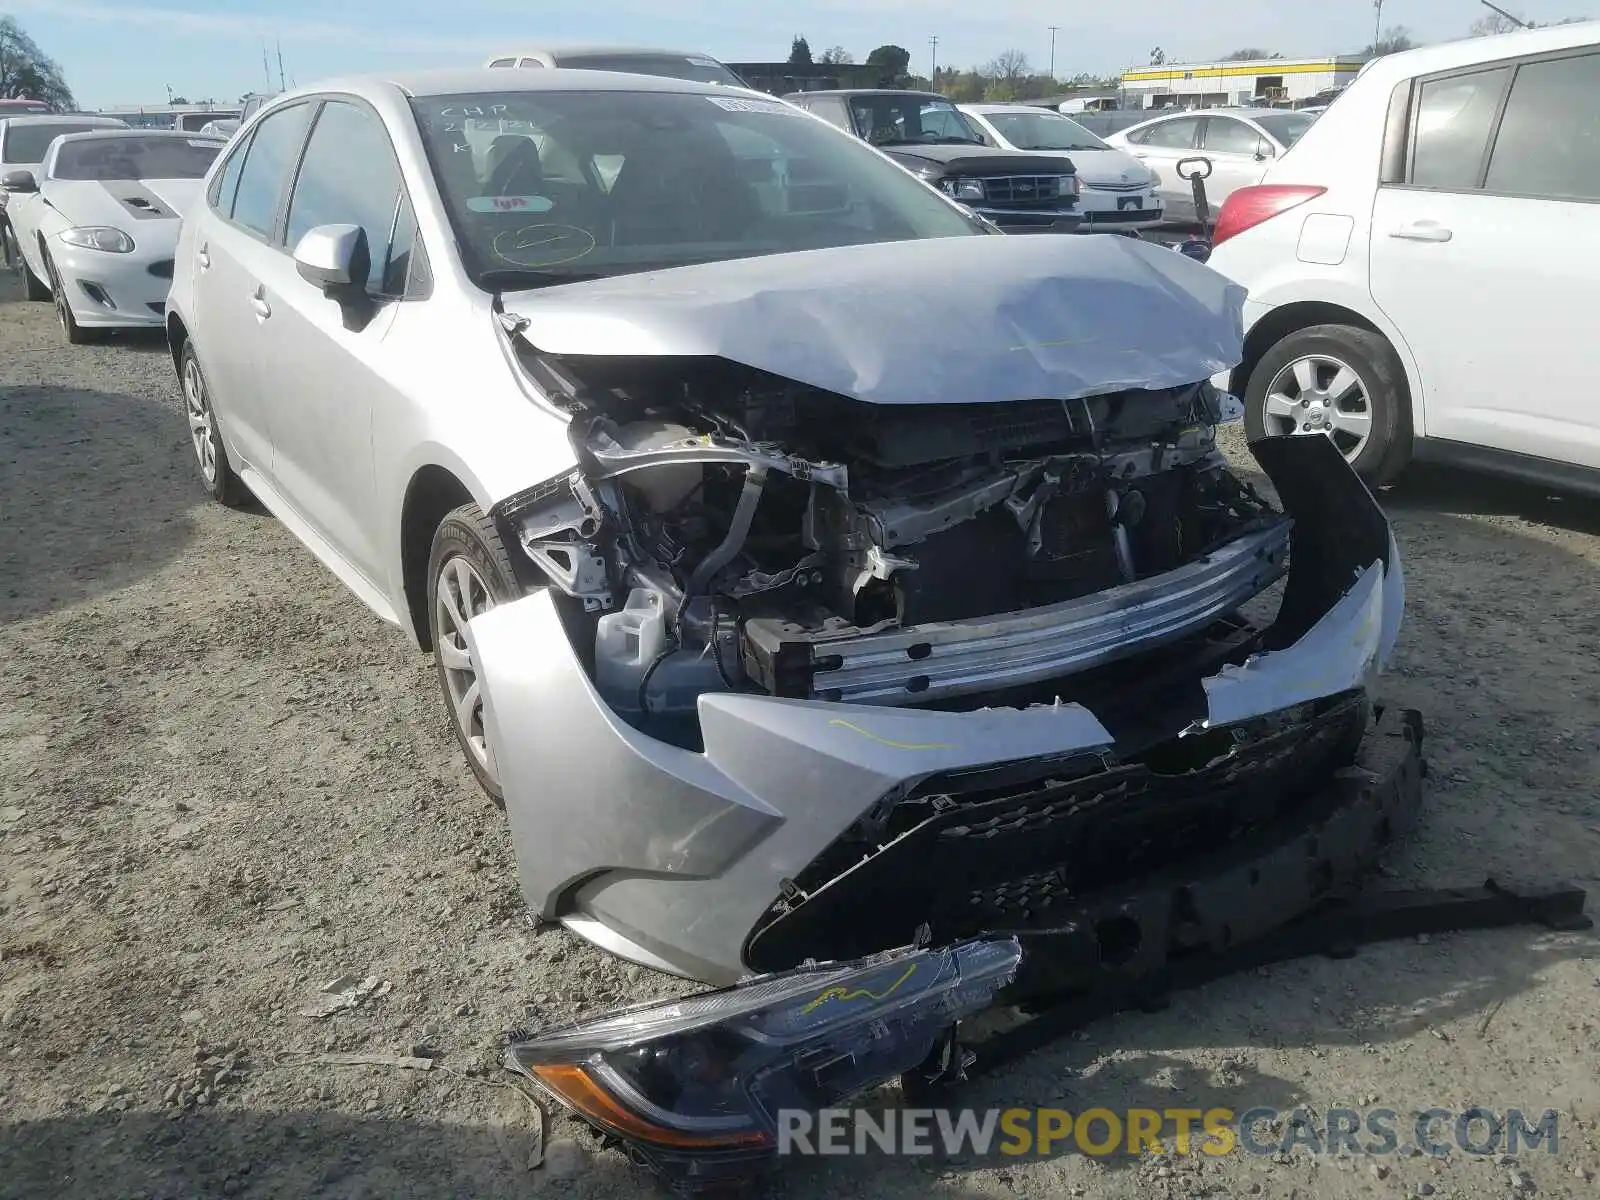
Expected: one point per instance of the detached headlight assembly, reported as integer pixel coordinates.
(695, 1088)
(963, 189)
(95, 237)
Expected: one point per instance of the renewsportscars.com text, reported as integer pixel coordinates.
(1214, 1132)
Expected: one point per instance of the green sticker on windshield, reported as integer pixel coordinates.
(528, 204)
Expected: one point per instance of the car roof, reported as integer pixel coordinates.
(449, 82)
(64, 118)
(871, 92)
(599, 49)
(100, 135)
(1008, 108)
(1470, 51)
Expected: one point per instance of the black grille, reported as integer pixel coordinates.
(162, 269)
(1028, 191)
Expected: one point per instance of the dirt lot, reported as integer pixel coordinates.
(223, 783)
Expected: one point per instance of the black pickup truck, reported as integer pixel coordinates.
(930, 137)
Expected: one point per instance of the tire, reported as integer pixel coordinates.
(77, 335)
(467, 555)
(33, 288)
(216, 472)
(1386, 450)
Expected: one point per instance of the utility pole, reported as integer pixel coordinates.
(933, 45)
(266, 70)
(281, 84)
(1377, 24)
(1053, 30)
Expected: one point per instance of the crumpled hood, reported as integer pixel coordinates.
(133, 205)
(953, 320)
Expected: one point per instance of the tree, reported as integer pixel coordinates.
(27, 71)
(895, 60)
(1393, 40)
(837, 56)
(1009, 76)
(1490, 24)
(799, 53)
(1250, 54)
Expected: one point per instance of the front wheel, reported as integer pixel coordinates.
(1340, 382)
(216, 471)
(33, 288)
(468, 574)
(77, 335)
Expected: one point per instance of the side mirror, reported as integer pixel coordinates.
(18, 182)
(335, 259)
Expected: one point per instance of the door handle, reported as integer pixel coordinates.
(203, 257)
(258, 302)
(1422, 231)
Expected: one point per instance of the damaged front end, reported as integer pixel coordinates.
(958, 637)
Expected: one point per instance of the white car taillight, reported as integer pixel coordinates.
(1250, 206)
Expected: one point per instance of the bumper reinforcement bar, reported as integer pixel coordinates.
(1183, 926)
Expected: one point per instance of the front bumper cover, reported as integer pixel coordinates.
(674, 858)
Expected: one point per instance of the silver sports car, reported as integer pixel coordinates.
(805, 563)
(97, 224)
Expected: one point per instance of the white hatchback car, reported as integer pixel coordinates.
(1117, 192)
(1241, 143)
(1420, 266)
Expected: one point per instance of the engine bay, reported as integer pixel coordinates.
(730, 529)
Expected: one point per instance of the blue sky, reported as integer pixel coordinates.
(130, 51)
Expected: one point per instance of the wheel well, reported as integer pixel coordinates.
(431, 496)
(177, 335)
(1280, 323)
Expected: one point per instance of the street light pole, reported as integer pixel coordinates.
(933, 45)
(1377, 24)
(1053, 30)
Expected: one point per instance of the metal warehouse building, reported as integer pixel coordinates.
(1208, 85)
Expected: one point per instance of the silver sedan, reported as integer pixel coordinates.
(766, 513)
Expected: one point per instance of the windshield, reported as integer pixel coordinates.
(670, 66)
(546, 187)
(135, 158)
(1287, 127)
(1044, 131)
(891, 120)
(27, 143)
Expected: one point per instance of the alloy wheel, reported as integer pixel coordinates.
(1318, 394)
(202, 430)
(459, 595)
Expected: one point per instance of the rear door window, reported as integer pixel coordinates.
(1176, 134)
(1548, 143)
(1224, 135)
(1451, 126)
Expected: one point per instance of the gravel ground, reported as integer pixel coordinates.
(223, 784)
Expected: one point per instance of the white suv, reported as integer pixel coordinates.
(1421, 264)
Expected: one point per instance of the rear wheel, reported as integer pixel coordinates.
(468, 574)
(1339, 382)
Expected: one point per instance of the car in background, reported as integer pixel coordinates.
(1239, 142)
(1421, 265)
(224, 128)
(24, 138)
(97, 224)
(633, 60)
(929, 136)
(1116, 192)
(194, 122)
